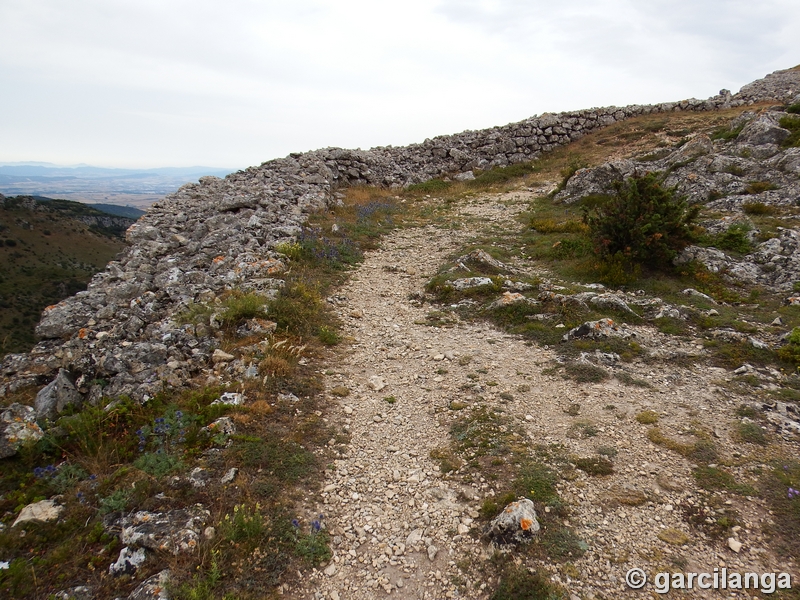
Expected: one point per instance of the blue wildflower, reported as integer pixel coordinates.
(295, 523)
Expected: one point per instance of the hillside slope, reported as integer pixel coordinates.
(50, 251)
(194, 414)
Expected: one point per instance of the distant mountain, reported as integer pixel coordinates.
(48, 170)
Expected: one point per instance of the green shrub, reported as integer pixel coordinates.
(328, 336)
(794, 108)
(647, 417)
(585, 373)
(791, 123)
(597, 466)
(757, 208)
(791, 351)
(518, 583)
(726, 133)
(431, 186)
(757, 187)
(752, 433)
(245, 524)
(239, 307)
(644, 223)
(734, 238)
(297, 309)
(158, 464)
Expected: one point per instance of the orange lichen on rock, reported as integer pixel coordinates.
(526, 524)
(218, 259)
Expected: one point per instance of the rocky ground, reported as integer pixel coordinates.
(656, 444)
(404, 528)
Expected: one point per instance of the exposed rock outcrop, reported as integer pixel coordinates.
(122, 335)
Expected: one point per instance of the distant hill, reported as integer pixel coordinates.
(49, 250)
(122, 211)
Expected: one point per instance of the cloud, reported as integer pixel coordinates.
(235, 83)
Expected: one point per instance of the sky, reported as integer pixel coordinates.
(151, 83)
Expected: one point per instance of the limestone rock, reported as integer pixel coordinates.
(152, 588)
(468, 283)
(597, 330)
(516, 523)
(174, 531)
(79, 592)
(764, 129)
(128, 561)
(42, 512)
(17, 427)
(60, 393)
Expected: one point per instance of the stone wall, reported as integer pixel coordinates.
(219, 234)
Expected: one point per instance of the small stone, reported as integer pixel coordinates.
(128, 562)
(432, 551)
(46, 510)
(330, 570)
(209, 533)
(229, 399)
(221, 357)
(734, 545)
(415, 537)
(777, 322)
(357, 314)
(229, 476)
(376, 383)
(348, 410)
(377, 418)
(334, 595)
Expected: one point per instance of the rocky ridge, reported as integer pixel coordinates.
(219, 234)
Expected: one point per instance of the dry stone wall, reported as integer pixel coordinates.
(121, 335)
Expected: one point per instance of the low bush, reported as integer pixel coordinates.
(791, 351)
(644, 223)
(791, 123)
(726, 133)
(757, 208)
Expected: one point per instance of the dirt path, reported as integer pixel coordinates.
(400, 526)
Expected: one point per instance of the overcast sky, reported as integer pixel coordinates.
(146, 83)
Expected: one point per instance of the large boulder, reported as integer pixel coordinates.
(599, 180)
(764, 129)
(57, 395)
